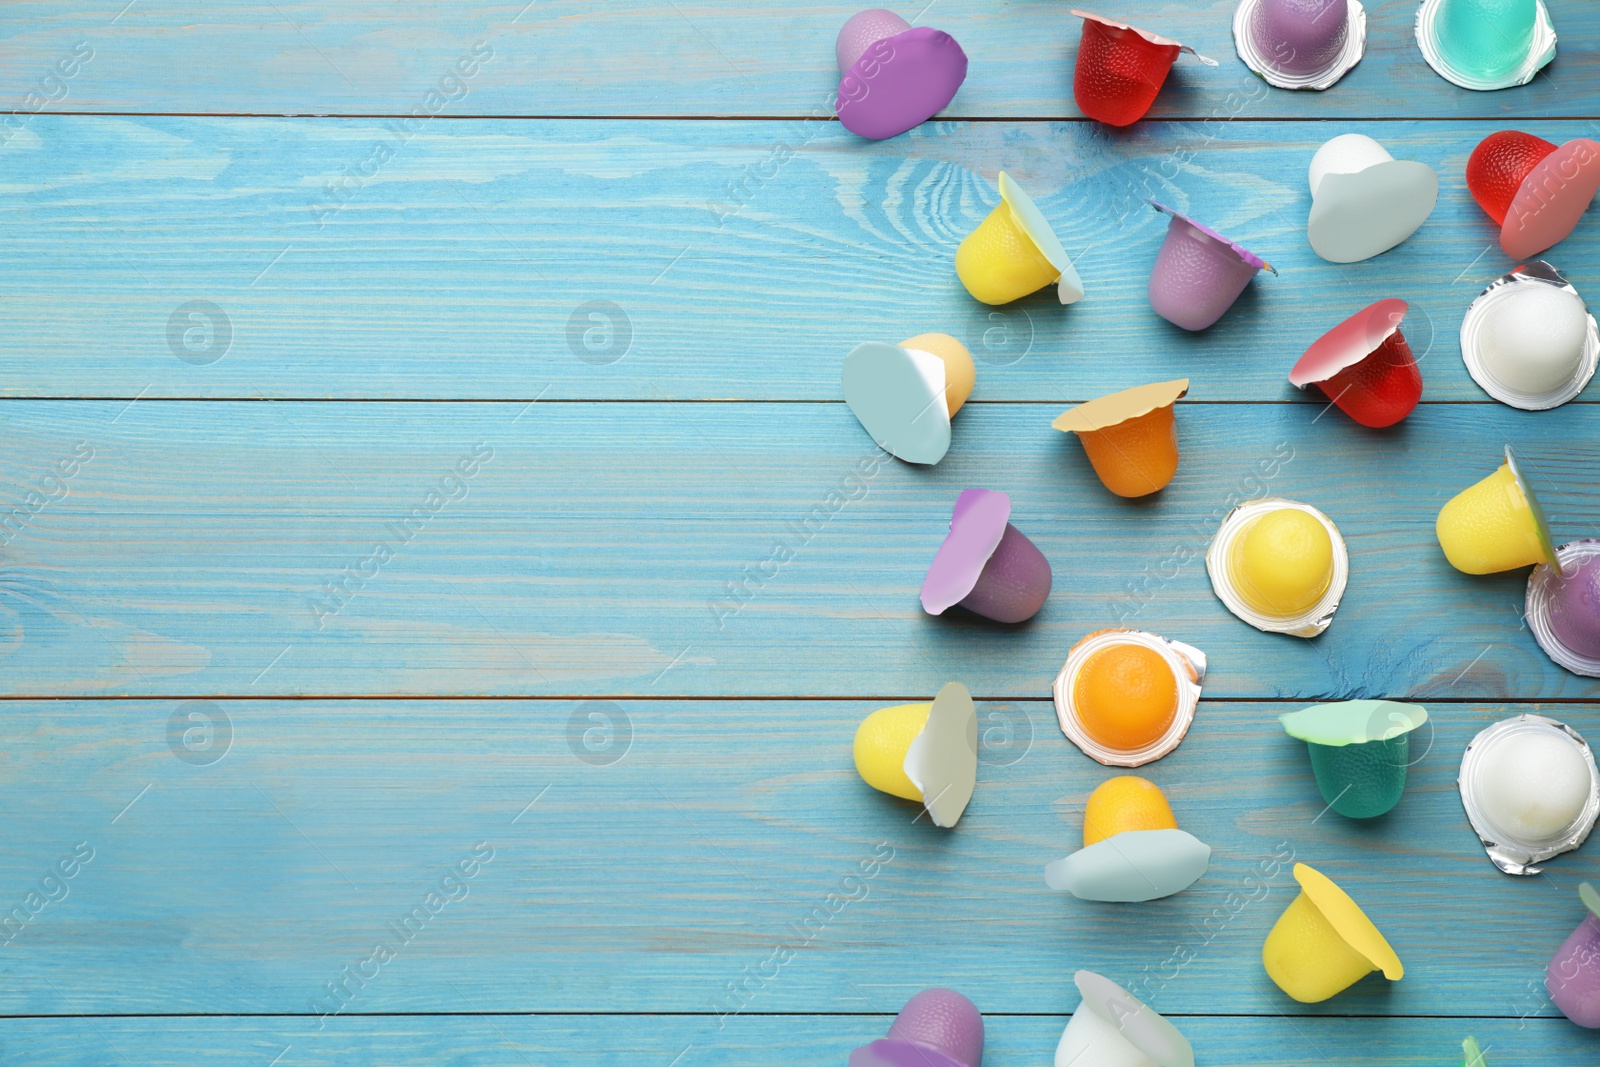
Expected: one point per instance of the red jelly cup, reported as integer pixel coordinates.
(1120, 69)
(1534, 190)
(1365, 366)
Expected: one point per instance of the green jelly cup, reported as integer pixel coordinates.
(1360, 750)
(1472, 1053)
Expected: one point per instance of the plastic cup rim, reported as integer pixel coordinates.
(1512, 856)
(1309, 623)
(1539, 272)
(1538, 603)
(1541, 50)
(1188, 665)
(1355, 45)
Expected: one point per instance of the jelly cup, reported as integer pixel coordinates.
(1363, 200)
(904, 395)
(936, 1028)
(1530, 790)
(894, 77)
(1300, 44)
(1280, 566)
(1323, 943)
(1120, 69)
(1573, 977)
(1529, 340)
(1198, 273)
(1495, 525)
(1114, 1028)
(1133, 849)
(1364, 366)
(1563, 607)
(1486, 44)
(1360, 750)
(923, 752)
(1014, 252)
(1536, 192)
(1471, 1054)
(1130, 437)
(1127, 697)
(985, 564)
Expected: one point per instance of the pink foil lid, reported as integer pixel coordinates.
(1350, 342)
(899, 82)
(1239, 250)
(1552, 199)
(976, 526)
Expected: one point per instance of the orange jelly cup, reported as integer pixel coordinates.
(1131, 437)
(1127, 697)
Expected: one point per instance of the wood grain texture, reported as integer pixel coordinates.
(735, 260)
(497, 1041)
(646, 548)
(679, 845)
(711, 57)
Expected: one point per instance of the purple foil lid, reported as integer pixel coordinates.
(1249, 257)
(900, 82)
(888, 1052)
(976, 526)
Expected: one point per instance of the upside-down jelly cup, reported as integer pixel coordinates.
(1132, 847)
(894, 77)
(1323, 943)
(1014, 252)
(923, 752)
(1198, 273)
(1364, 366)
(1530, 789)
(1120, 69)
(1573, 977)
(905, 395)
(1300, 44)
(1495, 525)
(1114, 1028)
(1127, 697)
(1563, 607)
(1486, 44)
(1529, 340)
(1360, 750)
(1536, 192)
(936, 1028)
(1130, 437)
(1280, 566)
(985, 564)
(1363, 200)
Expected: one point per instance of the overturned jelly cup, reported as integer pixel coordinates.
(1529, 340)
(1114, 1028)
(1130, 437)
(1495, 525)
(1534, 191)
(923, 752)
(1127, 697)
(1014, 252)
(1300, 44)
(1280, 566)
(936, 1028)
(1563, 607)
(1363, 200)
(894, 77)
(1323, 943)
(1486, 44)
(1132, 847)
(1360, 750)
(905, 395)
(1530, 789)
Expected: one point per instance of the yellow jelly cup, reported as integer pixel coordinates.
(1323, 943)
(1130, 437)
(1015, 252)
(924, 752)
(1495, 525)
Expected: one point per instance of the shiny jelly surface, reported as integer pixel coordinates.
(1282, 563)
(1486, 38)
(1126, 696)
(1126, 802)
(1497, 167)
(1533, 785)
(1575, 609)
(1381, 389)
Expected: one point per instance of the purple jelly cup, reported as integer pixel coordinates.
(936, 1028)
(1300, 44)
(1573, 977)
(893, 76)
(1563, 607)
(1198, 273)
(986, 565)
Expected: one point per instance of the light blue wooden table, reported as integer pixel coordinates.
(568, 352)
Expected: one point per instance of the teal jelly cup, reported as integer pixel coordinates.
(1360, 750)
(1486, 44)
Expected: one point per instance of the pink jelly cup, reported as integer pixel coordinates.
(936, 1028)
(1365, 366)
(1198, 273)
(1573, 977)
(986, 565)
(894, 77)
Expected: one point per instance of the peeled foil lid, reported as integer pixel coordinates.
(1144, 1028)
(1250, 258)
(977, 523)
(1133, 866)
(1153, 38)
(1355, 216)
(1118, 408)
(1188, 668)
(1350, 342)
(1541, 51)
(1537, 606)
(942, 760)
(889, 1052)
(1480, 314)
(1260, 64)
(1520, 857)
(1069, 289)
(1309, 623)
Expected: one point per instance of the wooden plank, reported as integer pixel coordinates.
(591, 548)
(712, 57)
(613, 1041)
(643, 260)
(671, 852)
